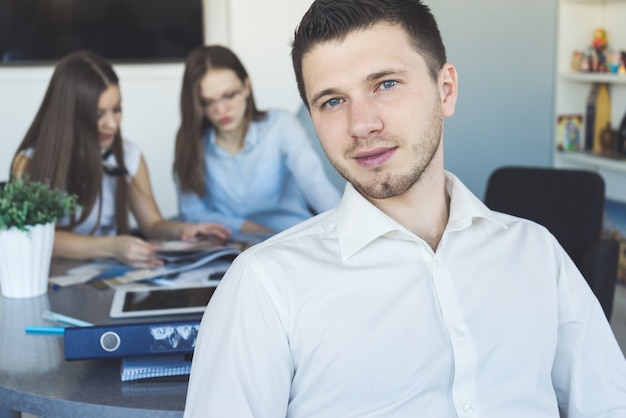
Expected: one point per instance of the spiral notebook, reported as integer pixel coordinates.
(145, 367)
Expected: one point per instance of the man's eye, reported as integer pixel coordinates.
(386, 85)
(332, 103)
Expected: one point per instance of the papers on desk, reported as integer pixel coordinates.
(91, 271)
(175, 265)
(179, 257)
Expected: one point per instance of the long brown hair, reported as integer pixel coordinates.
(189, 153)
(64, 136)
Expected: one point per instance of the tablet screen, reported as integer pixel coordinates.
(160, 301)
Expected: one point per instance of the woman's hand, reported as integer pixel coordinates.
(135, 252)
(249, 227)
(192, 231)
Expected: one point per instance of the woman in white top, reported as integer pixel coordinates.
(75, 144)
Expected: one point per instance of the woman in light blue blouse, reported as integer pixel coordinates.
(251, 171)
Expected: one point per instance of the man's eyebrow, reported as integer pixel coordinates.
(382, 74)
(369, 79)
(323, 93)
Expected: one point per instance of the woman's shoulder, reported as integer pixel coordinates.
(132, 156)
(27, 153)
(20, 161)
(280, 115)
(131, 147)
(278, 119)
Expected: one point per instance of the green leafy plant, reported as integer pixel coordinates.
(25, 203)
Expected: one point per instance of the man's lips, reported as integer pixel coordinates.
(374, 157)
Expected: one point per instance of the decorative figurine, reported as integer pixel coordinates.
(600, 44)
(600, 41)
(577, 57)
(606, 139)
(569, 132)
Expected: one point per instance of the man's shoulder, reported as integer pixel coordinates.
(512, 221)
(301, 237)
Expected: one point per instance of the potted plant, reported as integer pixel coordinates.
(28, 212)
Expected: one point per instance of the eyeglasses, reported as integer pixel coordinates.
(227, 98)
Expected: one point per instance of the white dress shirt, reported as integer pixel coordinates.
(351, 315)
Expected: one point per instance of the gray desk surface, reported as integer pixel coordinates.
(36, 379)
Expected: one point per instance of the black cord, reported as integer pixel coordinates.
(110, 169)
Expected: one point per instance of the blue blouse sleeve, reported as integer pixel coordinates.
(193, 209)
(306, 167)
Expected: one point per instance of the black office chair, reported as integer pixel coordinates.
(570, 203)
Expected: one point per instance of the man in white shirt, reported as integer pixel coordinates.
(412, 299)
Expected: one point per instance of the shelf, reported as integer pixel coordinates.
(576, 23)
(594, 161)
(594, 78)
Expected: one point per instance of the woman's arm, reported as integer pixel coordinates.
(193, 209)
(306, 167)
(150, 220)
(129, 250)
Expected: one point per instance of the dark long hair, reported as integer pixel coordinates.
(328, 20)
(64, 136)
(189, 153)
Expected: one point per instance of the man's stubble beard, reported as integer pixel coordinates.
(385, 184)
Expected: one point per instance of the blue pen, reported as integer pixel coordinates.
(45, 330)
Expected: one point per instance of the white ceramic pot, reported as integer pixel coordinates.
(25, 261)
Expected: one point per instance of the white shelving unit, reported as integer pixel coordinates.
(577, 20)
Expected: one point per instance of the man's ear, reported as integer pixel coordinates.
(449, 89)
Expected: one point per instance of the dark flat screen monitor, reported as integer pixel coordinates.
(122, 31)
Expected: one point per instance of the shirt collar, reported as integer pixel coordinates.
(359, 222)
(249, 141)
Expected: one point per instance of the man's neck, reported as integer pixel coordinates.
(423, 209)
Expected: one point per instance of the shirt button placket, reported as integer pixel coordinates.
(464, 350)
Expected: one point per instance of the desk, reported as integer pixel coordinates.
(35, 378)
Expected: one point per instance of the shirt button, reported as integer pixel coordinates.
(459, 332)
(467, 408)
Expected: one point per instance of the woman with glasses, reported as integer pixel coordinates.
(74, 143)
(253, 171)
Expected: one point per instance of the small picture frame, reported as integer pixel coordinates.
(569, 132)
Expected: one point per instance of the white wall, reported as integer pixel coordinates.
(505, 53)
(261, 34)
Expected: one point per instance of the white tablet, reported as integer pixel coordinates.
(144, 301)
